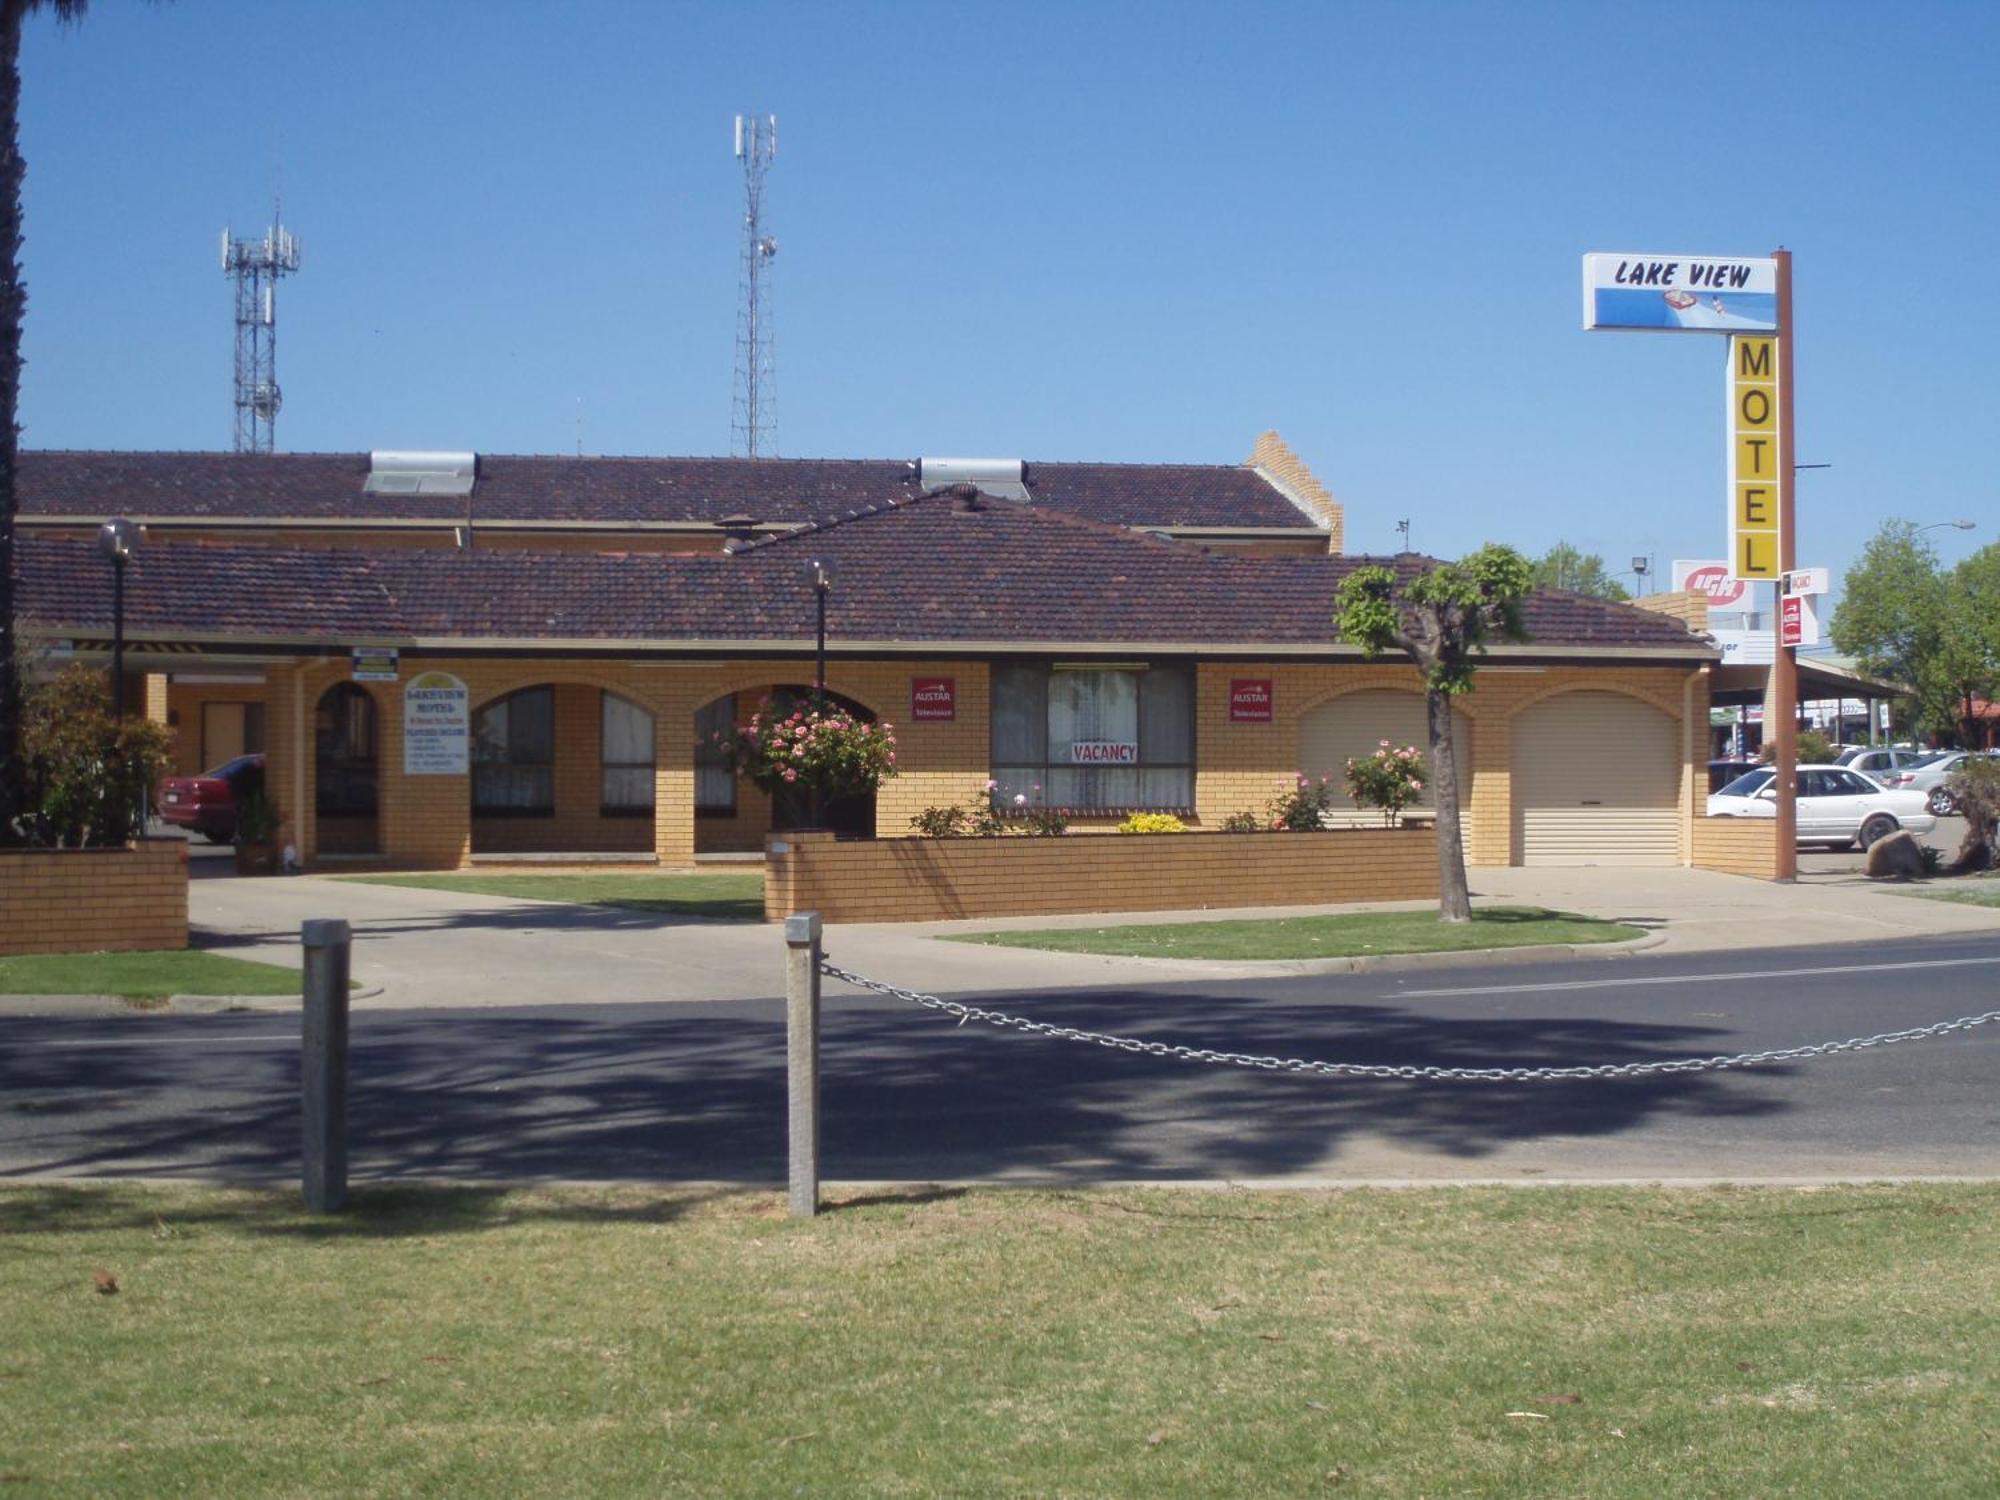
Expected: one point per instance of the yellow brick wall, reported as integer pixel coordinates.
(427, 820)
(1274, 456)
(1737, 846)
(94, 900)
(924, 880)
(183, 704)
(1241, 764)
(1689, 606)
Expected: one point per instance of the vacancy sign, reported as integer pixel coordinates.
(1754, 547)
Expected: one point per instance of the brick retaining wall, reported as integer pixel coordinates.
(94, 900)
(925, 880)
(1736, 846)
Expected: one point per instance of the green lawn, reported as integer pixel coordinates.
(1982, 891)
(734, 895)
(456, 1342)
(143, 976)
(1320, 937)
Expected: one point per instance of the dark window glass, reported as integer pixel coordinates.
(514, 755)
(714, 778)
(625, 750)
(1097, 740)
(346, 773)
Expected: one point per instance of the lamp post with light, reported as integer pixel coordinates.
(118, 540)
(822, 585)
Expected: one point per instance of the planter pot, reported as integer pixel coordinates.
(256, 859)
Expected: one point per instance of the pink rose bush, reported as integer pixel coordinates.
(1389, 780)
(843, 755)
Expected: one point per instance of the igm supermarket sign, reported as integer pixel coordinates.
(1680, 293)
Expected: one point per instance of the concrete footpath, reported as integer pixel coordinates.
(433, 948)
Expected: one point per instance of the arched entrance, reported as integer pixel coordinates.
(562, 768)
(347, 773)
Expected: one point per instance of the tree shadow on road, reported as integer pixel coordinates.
(906, 1095)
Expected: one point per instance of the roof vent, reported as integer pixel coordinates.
(1004, 478)
(420, 473)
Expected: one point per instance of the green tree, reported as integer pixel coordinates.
(1442, 620)
(13, 303)
(1566, 567)
(1905, 620)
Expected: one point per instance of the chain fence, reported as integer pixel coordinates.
(1183, 1053)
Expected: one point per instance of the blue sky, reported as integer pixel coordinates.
(1080, 231)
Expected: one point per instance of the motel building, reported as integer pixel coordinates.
(450, 659)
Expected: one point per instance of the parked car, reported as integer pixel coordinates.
(1836, 806)
(1929, 778)
(1727, 768)
(1885, 763)
(207, 803)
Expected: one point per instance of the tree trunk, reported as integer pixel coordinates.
(1454, 900)
(13, 300)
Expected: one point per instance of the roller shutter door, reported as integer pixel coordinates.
(1356, 725)
(1596, 782)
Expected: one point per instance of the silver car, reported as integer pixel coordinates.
(1930, 777)
(1835, 805)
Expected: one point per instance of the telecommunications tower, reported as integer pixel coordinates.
(753, 417)
(256, 266)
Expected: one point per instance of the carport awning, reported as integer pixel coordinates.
(1732, 686)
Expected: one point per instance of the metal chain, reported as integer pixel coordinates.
(1387, 1070)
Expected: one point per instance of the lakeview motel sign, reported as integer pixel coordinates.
(1750, 302)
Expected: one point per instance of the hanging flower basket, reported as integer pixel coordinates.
(840, 754)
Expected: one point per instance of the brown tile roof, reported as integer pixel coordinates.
(327, 486)
(924, 570)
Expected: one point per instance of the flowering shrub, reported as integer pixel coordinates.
(86, 773)
(840, 754)
(1242, 822)
(1302, 804)
(1152, 823)
(1390, 780)
(996, 813)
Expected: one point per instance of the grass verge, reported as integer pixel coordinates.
(1346, 936)
(1985, 892)
(462, 1341)
(733, 896)
(143, 976)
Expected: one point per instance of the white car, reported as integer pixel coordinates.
(1835, 805)
(1930, 778)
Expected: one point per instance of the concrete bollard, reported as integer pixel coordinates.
(323, 1065)
(802, 956)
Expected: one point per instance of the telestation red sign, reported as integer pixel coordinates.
(1250, 700)
(1792, 615)
(933, 698)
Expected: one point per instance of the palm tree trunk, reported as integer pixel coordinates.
(1454, 899)
(13, 301)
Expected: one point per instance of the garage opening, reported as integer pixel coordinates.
(1596, 782)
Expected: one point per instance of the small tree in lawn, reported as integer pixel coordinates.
(1442, 621)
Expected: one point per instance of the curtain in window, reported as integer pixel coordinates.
(714, 779)
(626, 750)
(1085, 708)
(514, 753)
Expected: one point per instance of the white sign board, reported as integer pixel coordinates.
(1807, 581)
(1745, 648)
(1711, 576)
(435, 726)
(1680, 293)
(1104, 753)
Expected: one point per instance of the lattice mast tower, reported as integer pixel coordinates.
(753, 416)
(255, 266)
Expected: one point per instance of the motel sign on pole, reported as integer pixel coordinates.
(1751, 302)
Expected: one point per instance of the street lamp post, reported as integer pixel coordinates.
(1941, 525)
(118, 540)
(822, 585)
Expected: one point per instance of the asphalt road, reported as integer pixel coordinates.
(695, 1092)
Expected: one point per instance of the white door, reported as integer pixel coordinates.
(1355, 725)
(1596, 782)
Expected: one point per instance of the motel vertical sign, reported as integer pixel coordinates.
(1754, 545)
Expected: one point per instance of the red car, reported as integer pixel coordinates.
(207, 803)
